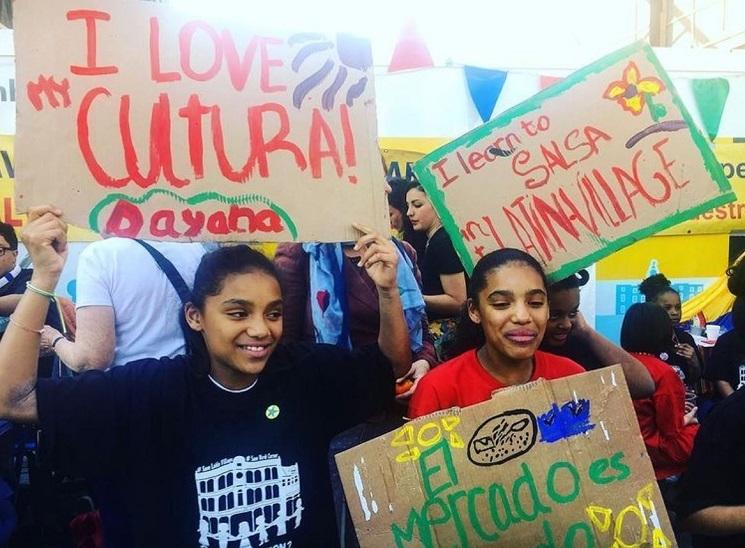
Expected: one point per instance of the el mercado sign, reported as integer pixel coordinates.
(140, 121)
(604, 158)
(546, 464)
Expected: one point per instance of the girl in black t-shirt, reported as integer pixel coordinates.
(443, 276)
(226, 445)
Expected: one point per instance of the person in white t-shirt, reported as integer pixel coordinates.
(127, 308)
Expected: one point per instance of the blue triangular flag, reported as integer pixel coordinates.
(485, 86)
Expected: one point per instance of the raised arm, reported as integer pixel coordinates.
(380, 259)
(640, 382)
(45, 238)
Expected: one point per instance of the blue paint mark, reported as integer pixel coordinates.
(572, 419)
(72, 289)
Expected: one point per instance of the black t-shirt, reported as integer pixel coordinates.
(715, 475)
(202, 466)
(439, 258)
(577, 351)
(727, 360)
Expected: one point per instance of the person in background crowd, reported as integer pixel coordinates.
(667, 421)
(127, 309)
(397, 206)
(443, 276)
(713, 488)
(237, 397)
(569, 335)
(726, 366)
(683, 354)
(498, 335)
(400, 222)
(327, 298)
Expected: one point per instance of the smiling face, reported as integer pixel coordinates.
(420, 211)
(241, 326)
(670, 301)
(563, 307)
(512, 310)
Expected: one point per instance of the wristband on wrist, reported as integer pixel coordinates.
(42, 292)
(57, 339)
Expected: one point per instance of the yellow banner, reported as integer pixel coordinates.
(400, 153)
(729, 217)
(673, 256)
(7, 180)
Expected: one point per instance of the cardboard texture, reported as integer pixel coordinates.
(549, 464)
(7, 175)
(139, 120)
(603, 158)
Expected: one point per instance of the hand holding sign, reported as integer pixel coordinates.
(379, 257)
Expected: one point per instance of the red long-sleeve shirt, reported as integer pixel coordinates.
(669, 443)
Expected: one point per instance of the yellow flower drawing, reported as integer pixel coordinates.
(632, 92)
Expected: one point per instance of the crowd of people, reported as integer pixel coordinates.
(190, 371)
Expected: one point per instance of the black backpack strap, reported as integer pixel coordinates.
(170, 271)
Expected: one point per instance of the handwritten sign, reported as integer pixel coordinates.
(551, 463)
(604, 158)
(140, 121)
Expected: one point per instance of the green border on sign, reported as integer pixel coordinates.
(427, 179)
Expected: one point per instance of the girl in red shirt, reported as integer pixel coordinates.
(667, 425)
(499, 335)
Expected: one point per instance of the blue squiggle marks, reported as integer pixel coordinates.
(572, 419)
(355, 90)
(304, 87)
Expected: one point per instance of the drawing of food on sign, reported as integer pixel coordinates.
(504, 437)
(155, 124)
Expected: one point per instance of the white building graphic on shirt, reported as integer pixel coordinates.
(741, 374)
(248, 499)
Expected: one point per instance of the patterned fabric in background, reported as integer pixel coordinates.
(443, 332)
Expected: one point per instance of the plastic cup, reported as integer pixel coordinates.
(712, 332)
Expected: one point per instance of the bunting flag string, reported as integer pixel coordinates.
(485, 86)
(411, 51)
(710, 95)
(546, 81)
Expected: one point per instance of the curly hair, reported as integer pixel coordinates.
(654, 286)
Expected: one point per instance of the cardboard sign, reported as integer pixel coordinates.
(141, 121)
(605, 157)
(8, 210)
(559, 463)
